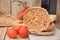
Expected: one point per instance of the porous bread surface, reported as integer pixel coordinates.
(7, 20)
(36, 19)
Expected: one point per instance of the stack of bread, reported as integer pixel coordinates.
(8, 20)
(39, 21)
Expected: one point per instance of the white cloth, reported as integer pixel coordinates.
(56, 36)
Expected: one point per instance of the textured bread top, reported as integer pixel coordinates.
(36, 19)
(7, 20)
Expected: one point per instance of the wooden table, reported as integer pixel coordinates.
(3, 35)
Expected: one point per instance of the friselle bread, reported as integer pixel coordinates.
(36, 19)
(52, 17)
(7, 20)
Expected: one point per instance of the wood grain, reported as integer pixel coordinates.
(2, 32)
(15, 8)
(37, 3)
(58, 14)
(5, 5)
(0, 6)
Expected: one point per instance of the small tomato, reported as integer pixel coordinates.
(11, 33)
(23, 32)
(17, 28)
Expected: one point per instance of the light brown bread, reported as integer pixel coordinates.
(52, 17)
(7, 20)
(47, 33)
(36, 19)
(51, 27)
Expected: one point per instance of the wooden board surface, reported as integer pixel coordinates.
(5, 5)
(37, 3)
(2, 32)
(58, 14)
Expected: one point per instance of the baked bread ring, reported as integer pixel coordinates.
(7, 20)
(36, 19)
(52, 17)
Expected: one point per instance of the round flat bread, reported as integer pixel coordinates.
(36, 19)
(52, 17)
(8, 20)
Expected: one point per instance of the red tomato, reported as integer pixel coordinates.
(23, 32)
(11, 33)
(21, 12)
(17, 28)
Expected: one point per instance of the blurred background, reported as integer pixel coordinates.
(50, 5)
(10, 7)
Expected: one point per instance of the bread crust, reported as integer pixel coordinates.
(52, 17)
(7, 20)
(48, 33)
(38, 14)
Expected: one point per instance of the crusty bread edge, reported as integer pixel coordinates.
(43, 33)
(45, 11)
